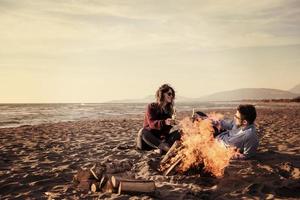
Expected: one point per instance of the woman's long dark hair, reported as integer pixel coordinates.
(160, 98)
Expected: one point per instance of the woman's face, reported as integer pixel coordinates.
(168, 96)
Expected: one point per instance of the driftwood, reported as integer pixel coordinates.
(136, 186)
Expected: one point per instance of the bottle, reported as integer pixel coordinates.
(174, 115)
(193, 115)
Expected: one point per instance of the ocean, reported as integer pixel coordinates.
(14, 115)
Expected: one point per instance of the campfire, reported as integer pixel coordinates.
(197, 147)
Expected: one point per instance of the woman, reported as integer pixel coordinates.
(158, 122)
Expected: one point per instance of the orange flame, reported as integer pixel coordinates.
(201, 147)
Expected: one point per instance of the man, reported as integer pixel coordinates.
(241, 132)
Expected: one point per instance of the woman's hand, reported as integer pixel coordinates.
(169, 122)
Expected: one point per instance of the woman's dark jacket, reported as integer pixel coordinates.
(154, 120)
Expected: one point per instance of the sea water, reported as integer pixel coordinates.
(13, 115)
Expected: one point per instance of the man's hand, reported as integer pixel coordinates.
(215, 121)
(213, 117)
(239, 156)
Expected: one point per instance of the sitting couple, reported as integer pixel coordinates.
(155, 134)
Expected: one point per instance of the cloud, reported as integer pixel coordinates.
(147, 24)
(183, 39)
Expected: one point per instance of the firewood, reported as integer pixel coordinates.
(95, 187)
(116, 181)
(83, 175)
(86, 184)
(174, 148)
(84, 179)
(97, 171)
(172, 166)
(136, 187)
(103, 181)
(108, 187)
(165, 166)
(118, 166)
(170, 160)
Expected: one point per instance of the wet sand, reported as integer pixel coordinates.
(39, 162)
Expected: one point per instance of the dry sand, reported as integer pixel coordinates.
(39, 162)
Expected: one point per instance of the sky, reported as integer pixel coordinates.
(57, 51)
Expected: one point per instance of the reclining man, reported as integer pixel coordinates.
(239, 132)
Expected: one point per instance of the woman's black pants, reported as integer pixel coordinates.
(148, 140)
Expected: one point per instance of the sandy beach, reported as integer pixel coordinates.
(39, 162)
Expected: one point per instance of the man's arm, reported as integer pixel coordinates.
(227, 124)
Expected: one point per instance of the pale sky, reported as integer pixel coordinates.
(96, 51)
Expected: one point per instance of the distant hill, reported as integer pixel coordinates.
(296, 89)
(249, 93)
(231, 95)
(148, 99)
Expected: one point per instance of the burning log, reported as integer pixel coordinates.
(171, 159)
(172, 167)
(136, 186)
(172, 151)
(197, 148)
